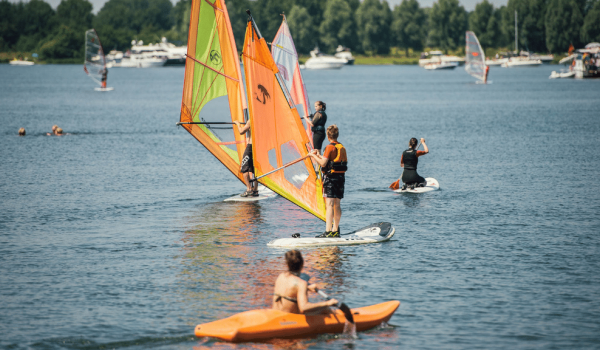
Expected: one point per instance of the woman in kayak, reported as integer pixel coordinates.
(291, 292)
(409, 161)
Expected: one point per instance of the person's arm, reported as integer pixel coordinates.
(309, 121)
(305, 306)
(424, 146)
(321, 160)
(402, 161)
(316, 117)
(242, 129)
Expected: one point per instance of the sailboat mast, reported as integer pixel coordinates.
(516, 33)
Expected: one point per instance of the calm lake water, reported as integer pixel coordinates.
(116, 234)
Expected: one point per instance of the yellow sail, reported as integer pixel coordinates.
(278, 136)
(212, 70)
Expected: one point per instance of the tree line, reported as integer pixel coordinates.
(369, 27)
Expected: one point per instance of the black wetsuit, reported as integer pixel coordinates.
(319, 119)
(409, 175)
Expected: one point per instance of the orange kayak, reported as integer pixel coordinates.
(267, 324)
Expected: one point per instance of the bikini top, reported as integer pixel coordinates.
(279, 297)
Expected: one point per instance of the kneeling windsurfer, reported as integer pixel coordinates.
(409, 161)
(334, 163)
(291, 291)
(247, 168)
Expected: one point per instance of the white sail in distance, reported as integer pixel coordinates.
(94, 62)
(475, 57)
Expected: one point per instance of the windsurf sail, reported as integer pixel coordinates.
(278, 136)
(286, 58)
(213, 74)
(475, 57)
(94, 62)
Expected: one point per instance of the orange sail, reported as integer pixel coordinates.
(212, 73)
(278, 136)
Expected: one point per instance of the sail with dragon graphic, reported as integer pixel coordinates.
(278, 136)
(213, 91)
(94, 63)
(286, 57)
(475, 58)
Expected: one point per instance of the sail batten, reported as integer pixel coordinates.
(278, 136)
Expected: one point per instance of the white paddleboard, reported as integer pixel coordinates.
(432, 185)
(263, 193)
(104, 89)
(375, 233)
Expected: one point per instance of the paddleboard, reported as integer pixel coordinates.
(268, 323)
(375, 233)
(104, 89)
(263, 193)
(432, 185)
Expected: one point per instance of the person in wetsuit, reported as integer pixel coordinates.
(291, 291)
(409, 161)
(317, 123)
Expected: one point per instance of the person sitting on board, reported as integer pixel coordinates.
(22, 132)
(409, 161)
(104, 74)
(247, 168)
(291, 291)
(334, 163)
(317, 123)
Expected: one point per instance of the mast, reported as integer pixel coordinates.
(516, 33)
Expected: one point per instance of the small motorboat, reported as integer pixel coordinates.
(440, 66)
(319, 60)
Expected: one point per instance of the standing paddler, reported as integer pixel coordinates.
(334, 163)
(247, 167)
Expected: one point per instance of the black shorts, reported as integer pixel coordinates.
(318, 138)
(333, 185)
(411, 176)
(247, 163)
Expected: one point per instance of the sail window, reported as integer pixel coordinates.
(295, 174)
(273, 158)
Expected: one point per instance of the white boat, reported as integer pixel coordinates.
(17, 62)
(495, 61)
(438, 57)
(345, 53)
(319, 60)
(144, 56)
(562, 74)
(440, 66)
(584, 63)
(521, 62)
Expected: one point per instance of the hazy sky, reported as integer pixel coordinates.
(468, 4)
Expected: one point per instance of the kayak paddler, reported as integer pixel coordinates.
(291, 291)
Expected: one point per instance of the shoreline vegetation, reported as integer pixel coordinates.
(376, 32)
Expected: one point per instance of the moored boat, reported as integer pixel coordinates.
(17, 62)
(268, 324)
(319, 60)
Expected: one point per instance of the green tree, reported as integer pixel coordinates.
(66, 42)
(531, 16)
(373, 19)
(76, 14)
(408, 25)
(484, 21)
(447, 25)
(337, 27)
(590, 31)
(9, 33)
(563, 25)
(302, 28)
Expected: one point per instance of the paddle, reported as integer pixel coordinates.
(396, 185)
(345, 309)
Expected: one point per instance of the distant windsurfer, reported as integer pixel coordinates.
(247, 168)
(104, 76)
(409, 161)
(317, 123)
(291, 291)
(334, 163)
(487, 71)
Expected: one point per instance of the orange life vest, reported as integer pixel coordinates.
(339, 165)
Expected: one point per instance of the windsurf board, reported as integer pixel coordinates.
(263, 193)
(432, 185)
